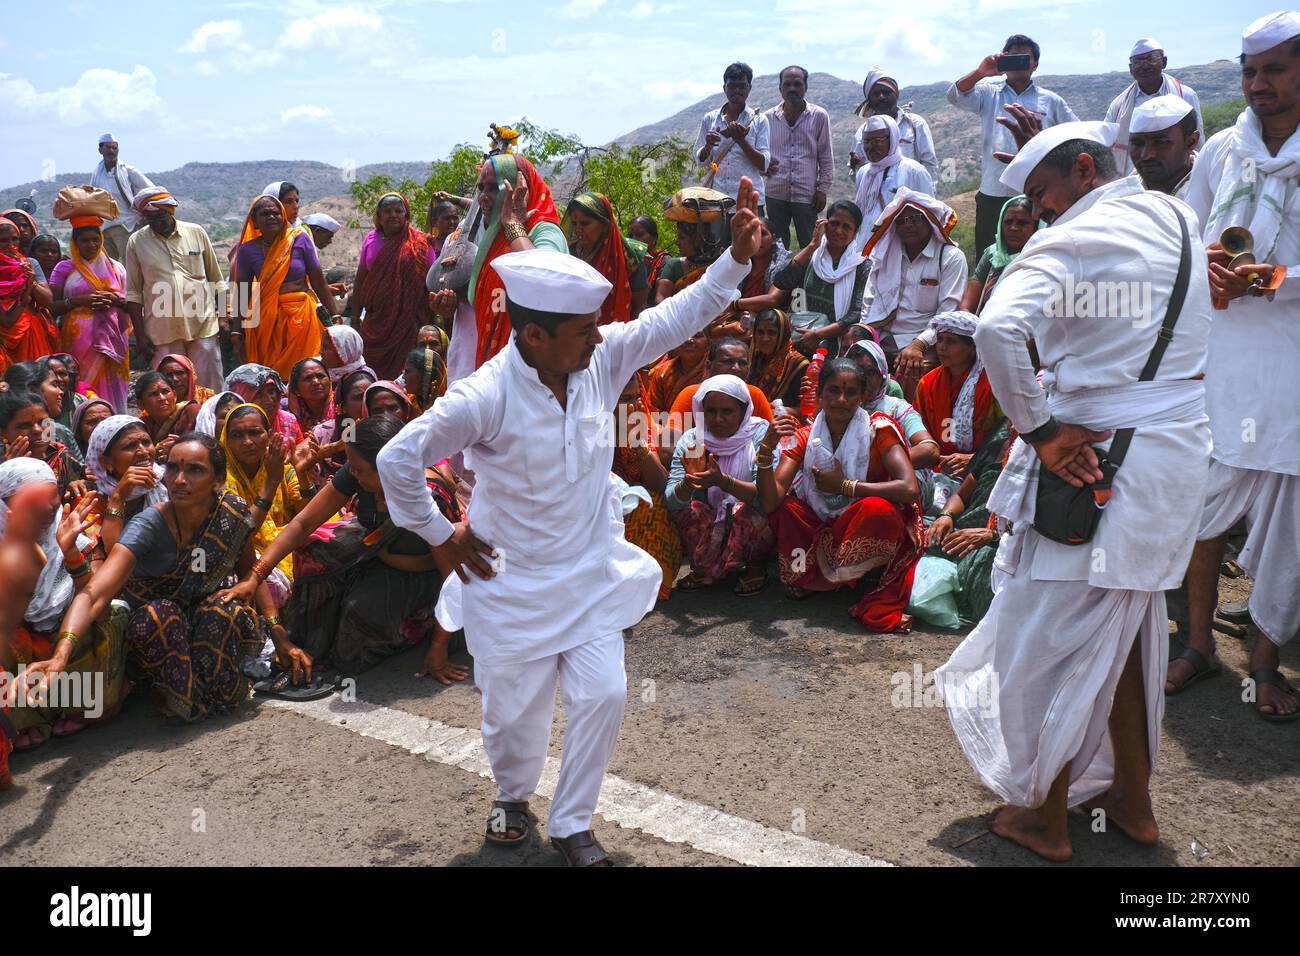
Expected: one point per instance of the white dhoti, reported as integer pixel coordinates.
(1270, 503)
(518, 706)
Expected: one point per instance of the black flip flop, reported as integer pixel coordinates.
(1271, 675)
(1202, 667)
(281, 687)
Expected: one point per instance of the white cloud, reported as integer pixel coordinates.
(98, 95)
(579, 9)
(900, 37)
(673, 89)
(642, 11)
(331, 29)
(213, 35)
(305, 111)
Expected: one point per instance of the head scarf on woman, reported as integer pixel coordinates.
(493, 322)
(394, 295)
(207, 420)
(351, 348)
(872, 348)
(103, 435)
(735, 454)
(298, 408)
(616, 259)
(79, 415)
(773, 374)
(972, 402)
(54, 587)
(14, 215)
(194, 391)
(394, 388)
(1001, 257)
(247, 380)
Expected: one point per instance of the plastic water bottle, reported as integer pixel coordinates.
(822, 458)
(808, 393)
(778, 409)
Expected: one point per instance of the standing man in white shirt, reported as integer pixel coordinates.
(1055, 697)
(1249, 175)
(989, 101)
(915, 141)
(563, 583)
(733, 139)
(1146, 64)
(122, 182)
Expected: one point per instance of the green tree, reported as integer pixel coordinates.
(637, 179)
(1219, 116)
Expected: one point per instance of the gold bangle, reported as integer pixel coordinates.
(261, 570)
(514, 231)
(847, 487)
(111, 512)
(273, 620)
(71, 638)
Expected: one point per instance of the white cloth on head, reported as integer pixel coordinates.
(871, 177)
(322, 221)
(1270, 30)
(1159, 113)
(1033, 152)
(54, 586)
(551, 281)
(107, 138)
(106, 484)
(153, 196)
(963, 407)
(915, 141)
(735, 453)
(1144, 46)
(840, 277)
(853, 453)
(961, 323)
(206, 422)
(881, 363)
(886, 276)
(351, 348)
(1123, 107)
(542, 496)
(273, 189)
(1270, 504)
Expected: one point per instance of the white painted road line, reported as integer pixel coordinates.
(623, 802)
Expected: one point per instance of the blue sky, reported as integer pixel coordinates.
(361, 81)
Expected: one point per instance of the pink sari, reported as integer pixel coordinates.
(96, 338)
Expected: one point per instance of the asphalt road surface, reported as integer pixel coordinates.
(758, 730)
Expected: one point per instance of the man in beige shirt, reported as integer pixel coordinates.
(172, 275)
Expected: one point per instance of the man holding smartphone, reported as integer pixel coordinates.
(1016, 63)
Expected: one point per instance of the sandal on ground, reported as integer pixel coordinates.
(693, 582)
(751, 581)
(1202, 667)
(281, 687)
(581, 849)
(508, 815)
(1271, 675)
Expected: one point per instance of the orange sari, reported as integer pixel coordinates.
(282, 328)
(32, 336)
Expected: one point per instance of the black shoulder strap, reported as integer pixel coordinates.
(1119, 447)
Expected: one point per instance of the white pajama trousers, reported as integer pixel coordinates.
(1270, 503)
(519, 708)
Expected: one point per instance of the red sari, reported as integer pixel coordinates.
(616, 259)
(936, 394)
(870, 533)
(395, 299)
(32, 336)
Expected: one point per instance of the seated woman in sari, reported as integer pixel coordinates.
(263, 387)
(67, 373)
(683, 366)
(212, 416)
(1016, 226)
(183, 379)
(593, 236)
(349, 408)
(311, 397)
(364, 589)
(55, 569)
(922, 448)
(26, 332)
(637, 462)
(276, 481)
(25, 432)
(89, 292)
(424, 380)
(389, 398)
(966, 531)
(843, 502)
(87, 416)
(164, 416)
(832, 274)
(122, 461)
(342, 350)
(276, 283)
(184, 639)
(395, 258)
(711, 493)
(42, 378)
(956, 402)
(775, 366)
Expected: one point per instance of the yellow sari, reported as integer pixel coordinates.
(282, 327)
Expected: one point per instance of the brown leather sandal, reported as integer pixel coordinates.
(508, 815)
(582, 849)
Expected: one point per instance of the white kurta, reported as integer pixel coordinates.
(1064, 618)
(542, 494)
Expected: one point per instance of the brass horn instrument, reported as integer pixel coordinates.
(1239, 244)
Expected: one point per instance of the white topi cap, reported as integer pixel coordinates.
(1032, 153)
(551, 281)
(107, 138)
(1146, 45)
(1159, 112)
(1267, 32)
(323, 221)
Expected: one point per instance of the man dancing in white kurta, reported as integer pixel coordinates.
(1249, 175)
(566, 582)
(1077, 700)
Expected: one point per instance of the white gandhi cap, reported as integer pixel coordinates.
(323, 221)
(551, 281)
(1146, 45)
(1267, 32)
(1033, 152)
(1159, 112)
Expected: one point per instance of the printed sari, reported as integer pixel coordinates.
(649, 527)
(190, 648)
(775, 375)
(394, 297)
(96, 338)
(617, 258)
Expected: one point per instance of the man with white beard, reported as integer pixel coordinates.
(1076, 638)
